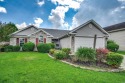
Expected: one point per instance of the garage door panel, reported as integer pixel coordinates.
(83, 42)
(100, 43)
(88, 42)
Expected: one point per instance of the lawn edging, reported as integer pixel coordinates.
(90, 68)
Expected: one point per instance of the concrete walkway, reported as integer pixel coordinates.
(123, 63)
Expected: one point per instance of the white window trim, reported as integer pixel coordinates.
(42, 39)
(20, 39)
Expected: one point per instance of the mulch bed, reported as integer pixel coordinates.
(90, 64)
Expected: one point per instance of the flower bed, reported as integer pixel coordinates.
(97, 59)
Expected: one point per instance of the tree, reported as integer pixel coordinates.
(5, 30)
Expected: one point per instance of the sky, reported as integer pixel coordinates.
(61, 14)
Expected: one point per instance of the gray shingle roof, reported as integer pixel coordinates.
(115, 26)
(56, 32)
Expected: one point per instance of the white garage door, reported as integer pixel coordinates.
(100, 43)
(88, 42)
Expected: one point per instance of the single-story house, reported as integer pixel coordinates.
(89, 34)
(117, 34)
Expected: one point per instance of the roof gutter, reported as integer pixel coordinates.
(116, 30)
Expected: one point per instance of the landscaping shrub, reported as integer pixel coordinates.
(28, 46)
(110, 41)
(101, 54)
(51, 51)
(113, 47)
(85, 54)
(114, 59)
(16, 48)
(52, 45)
(2, 49)
(8, 48)
(58, 54)
(44, 48)
(66, 50)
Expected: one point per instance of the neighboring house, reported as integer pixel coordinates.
(117, 34)
(89, 34)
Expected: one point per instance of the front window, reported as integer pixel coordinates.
(41, 39)
(22, 41)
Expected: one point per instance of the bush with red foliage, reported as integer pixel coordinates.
(101, 54)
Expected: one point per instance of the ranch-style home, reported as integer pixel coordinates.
(117, 34)
(89, 34)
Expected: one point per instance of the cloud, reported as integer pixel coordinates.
(22, 25)
(1, 0)
(103, 14)
(38, 22)
(57, 16)
(121, 0)
(75, 4)
(3, 10)
(40, 3)
(74, 23)
(118, 9)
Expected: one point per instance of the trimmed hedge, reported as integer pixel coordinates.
(2, 49)
(28, 46)
(114, 59)
(16, 48)
(52, 45)
(8, 48)
(58, 54)
(44, 48)
(86, 54)
(113, 47)
(110, 41)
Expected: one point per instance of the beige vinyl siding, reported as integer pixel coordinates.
(119, 38)
(65, 42)
(49, 40)
(33, 37)
(28, 31)
(87, 31)
(13, 41)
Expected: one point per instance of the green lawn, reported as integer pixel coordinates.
(33, 67)
(121, 52)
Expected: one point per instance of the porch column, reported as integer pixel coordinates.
(72, 43)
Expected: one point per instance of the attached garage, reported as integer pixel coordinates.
(89, 42)
(90, 35)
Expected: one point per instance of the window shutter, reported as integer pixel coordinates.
(37, 41)
(25, 40)
(17, 41)
(44, 40)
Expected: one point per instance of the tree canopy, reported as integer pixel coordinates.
(5, 30)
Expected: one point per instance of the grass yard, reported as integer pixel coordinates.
(33, 67)
(121, 52)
